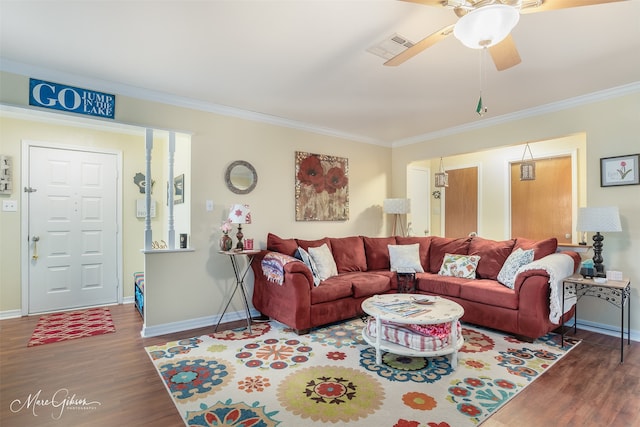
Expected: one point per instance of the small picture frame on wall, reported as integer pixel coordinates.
(619, 170)
(178, 189)
(6, 185)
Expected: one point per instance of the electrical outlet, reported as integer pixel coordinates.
(9, 205)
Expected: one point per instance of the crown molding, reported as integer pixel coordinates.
(165, 98)
(590, 98)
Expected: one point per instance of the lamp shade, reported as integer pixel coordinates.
(486, 26)
(240, 214)
(397, 206)
(599, 219)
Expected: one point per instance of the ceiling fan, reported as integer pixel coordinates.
(486, 24)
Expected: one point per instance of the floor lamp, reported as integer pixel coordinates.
(598, 219)
(397, 207)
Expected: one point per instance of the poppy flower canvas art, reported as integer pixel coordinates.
(322, 187)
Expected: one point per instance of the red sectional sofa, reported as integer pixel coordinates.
(363, 265)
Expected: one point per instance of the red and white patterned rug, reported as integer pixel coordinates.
(71, 325)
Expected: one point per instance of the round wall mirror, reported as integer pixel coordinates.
(241, 177)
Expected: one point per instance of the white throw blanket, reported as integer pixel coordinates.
(558, 266)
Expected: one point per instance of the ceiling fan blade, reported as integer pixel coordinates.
(423, 44)
(562, 4)
(504, 54)
(437, 3)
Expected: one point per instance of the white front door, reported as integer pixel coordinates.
(72, 222)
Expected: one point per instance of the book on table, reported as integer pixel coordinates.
(403, 308)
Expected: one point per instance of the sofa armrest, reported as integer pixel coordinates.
(523, 275)
(289, 302)
(522, 279)
(576, 259)
(299, 267)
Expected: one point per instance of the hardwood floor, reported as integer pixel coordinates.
(588, 387)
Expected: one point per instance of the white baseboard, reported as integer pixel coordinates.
(202, 322)
(10, 314)
(186, 325)
(604, 329)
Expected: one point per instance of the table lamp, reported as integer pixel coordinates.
(599, 219)
(240, 214)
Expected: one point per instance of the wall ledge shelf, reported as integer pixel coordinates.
(572, 247)
(165, 251)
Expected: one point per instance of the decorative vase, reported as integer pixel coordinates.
(225, 242)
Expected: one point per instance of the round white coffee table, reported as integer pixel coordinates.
(405, 309)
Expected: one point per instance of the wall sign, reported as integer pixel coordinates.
(72, 99)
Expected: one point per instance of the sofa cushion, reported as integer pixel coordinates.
(439, 285)
(517, 259)
(541, 248)
(445, 245)
(492, 254)
(284, 246)
(323, 259)
(489, 292)
(332, 289)
(459, 266)
(405, 257)
(348, 253)
(306, 244)
(377, 252)
(367, 284)
(424, 243)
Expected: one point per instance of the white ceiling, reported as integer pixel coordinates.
(304, 62)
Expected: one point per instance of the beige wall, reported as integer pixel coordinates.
(15, 130)
(185, 288)
(181, 287)
(611, 128)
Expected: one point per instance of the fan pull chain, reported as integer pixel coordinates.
(480, 108)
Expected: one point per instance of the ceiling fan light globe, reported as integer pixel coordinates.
(486, 26)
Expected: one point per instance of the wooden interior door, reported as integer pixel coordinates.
(461, 202)
(542, 208)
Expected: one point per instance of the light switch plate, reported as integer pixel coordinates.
(209, 205)
(9, 205)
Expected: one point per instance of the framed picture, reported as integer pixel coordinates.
(620, 170)
(178, 189)
(322, 187)
(6, 186)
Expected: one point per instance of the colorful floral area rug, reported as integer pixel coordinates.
(273, 377)
(71, 325)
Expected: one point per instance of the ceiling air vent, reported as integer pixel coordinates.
(390, 47)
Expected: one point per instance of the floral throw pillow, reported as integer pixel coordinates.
(517, 259)
(323, 259)
(459, 266)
